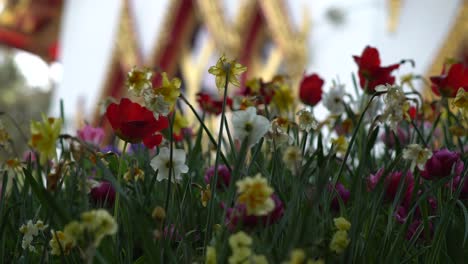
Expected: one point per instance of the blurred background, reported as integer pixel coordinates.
(79, 51)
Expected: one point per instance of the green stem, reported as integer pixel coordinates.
(213, 141)
(353, 138)
(119, 177)
(171, 150)
(214, 180)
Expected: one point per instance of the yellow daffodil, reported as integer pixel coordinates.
(99, 223)
(230, 69)
(339, 242)
(240, 239)
(341, 144)
(205, 195)
(342, 224)
(159, 213)
(44, 136)
(283, 98)
(461, 99)
(255, 193)
(240, 245)
(4, 136)
(292, 157)
(298, 256)
(210, 255)
(60, 242)
(161, 100)
(170, 89)
(139, 80)
(315, 261)
(254, 85)
(258, 259)
(134, 174)
(180, 122)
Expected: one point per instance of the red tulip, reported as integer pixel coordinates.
(370, 72)
(211, 105)
(133, 122)
(448, 84)
(310, 90)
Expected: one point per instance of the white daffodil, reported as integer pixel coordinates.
(306, 120)
(156, 103)
(247, 124)
(29, 231)
(333, 100)
(396, 105)
(162, 163)
(417, 155)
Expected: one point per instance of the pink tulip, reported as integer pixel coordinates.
(91, 135)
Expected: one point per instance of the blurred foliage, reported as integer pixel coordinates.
(19, 103)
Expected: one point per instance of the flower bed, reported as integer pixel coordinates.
(255, 179)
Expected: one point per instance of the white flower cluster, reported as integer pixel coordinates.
(29, 231)
(396, 105)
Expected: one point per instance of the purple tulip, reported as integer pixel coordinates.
(391, 183)
(103, 194)
(464, 188)
(224, 176)
(342, 192)
(237, 216)
(418, 224)
(389, 138)
(441, 163)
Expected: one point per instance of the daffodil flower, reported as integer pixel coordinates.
(230, 69)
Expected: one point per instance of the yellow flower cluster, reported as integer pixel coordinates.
(44, 136)
(298, 256)
(94, 225)
(240, 244)
(340, 240)
(255, 193)
(224, 69)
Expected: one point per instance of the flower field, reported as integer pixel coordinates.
(253, 177)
